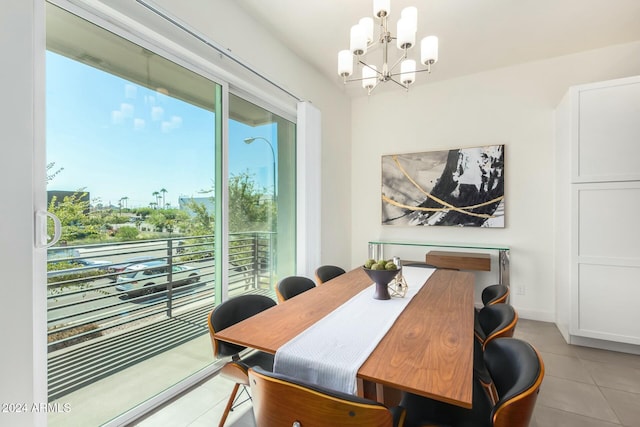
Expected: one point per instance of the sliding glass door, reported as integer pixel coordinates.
(163, 216)
(131, 150)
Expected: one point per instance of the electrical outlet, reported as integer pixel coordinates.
(520, 290)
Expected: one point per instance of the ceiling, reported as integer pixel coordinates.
(474, 35)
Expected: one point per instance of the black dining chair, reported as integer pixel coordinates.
(224, 315)
(517, 371)
(495, 321)
(324, 273)
(491, 322)
(495, 294)
(281, 400)
(291, 286)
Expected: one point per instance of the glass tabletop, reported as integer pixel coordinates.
(441, 245)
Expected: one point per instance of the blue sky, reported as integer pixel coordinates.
(118, 139)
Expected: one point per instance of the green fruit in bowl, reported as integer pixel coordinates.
(391, 266)
(369, 263)
(376, 266)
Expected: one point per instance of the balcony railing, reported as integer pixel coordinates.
(108, 304)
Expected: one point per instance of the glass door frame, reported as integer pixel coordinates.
(102, 16)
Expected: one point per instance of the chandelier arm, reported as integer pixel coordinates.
(405, 87)
(417, 71)
(364, 64)
(354, 80)
(371, 89)
(397, 62)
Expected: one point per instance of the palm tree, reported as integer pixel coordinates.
(163, 191)
(156, 195)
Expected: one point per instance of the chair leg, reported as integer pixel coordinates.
(229, 405)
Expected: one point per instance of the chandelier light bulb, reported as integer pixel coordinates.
(407, 72)
(345, 63)
(406, 36)
(429, 50)
(358, 44)
(369, 77)
(367, 25)
(410, 14)
(381, 8)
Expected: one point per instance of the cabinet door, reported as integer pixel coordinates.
(607, 137)
(607, 261)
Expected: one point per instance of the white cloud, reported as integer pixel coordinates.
(117, 117)
(138, 124)
(166, 127)
(176, 121)
(127, 109)
(130, 91)
(157, 113)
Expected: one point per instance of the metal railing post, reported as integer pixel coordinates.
(271, 259)
(170, 278)
(256, 261)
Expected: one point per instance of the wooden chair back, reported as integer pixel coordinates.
(280, 401)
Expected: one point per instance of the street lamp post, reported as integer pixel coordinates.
(273, 154)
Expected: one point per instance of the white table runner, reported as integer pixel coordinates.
(330, 352)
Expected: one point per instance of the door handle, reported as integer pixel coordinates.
(41, 236)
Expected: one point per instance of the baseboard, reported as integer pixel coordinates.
(605, 345)
(541, 316)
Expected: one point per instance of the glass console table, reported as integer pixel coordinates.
(376, 251)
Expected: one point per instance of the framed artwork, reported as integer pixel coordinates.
(462, 187)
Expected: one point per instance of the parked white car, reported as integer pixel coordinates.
(153, 276)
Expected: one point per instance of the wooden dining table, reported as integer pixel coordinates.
(428, 350)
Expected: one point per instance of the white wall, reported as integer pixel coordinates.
(512, 106)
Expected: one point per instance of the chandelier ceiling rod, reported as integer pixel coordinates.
(362, 42)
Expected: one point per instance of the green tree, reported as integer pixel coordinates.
(168, 219)
(127, 233)
(164, 192)
(248, 206)
(202, 221)
(143, 213)
(156, 196)
(73, 214)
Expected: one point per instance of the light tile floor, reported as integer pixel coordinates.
(583, 387)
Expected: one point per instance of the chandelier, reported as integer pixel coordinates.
(362, 41)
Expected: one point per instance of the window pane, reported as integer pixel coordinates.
(261, 197)
(131, 143)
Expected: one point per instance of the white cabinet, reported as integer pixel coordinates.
(598, 212)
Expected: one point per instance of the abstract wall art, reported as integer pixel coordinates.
(462, 187)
